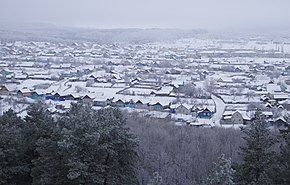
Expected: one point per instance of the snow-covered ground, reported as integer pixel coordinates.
(220, 109)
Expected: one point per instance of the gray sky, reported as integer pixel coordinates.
(209, 14)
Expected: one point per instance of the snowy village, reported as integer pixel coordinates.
(195, 81)
(147, 92)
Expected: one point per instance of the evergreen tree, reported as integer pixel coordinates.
(281, 169)
(48, 168)
(257, 155)
(222, 173)
(13, 169)
(38, 125)
(117, 148)
(78, 146)
(83, 147)
(87, 147)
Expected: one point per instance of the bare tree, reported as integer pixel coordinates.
(180, 155)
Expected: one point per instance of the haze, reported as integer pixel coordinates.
(188, 14)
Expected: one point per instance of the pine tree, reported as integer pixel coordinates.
(118, 147)
(83, 147)
(78, 146)
(222, 173)
(38, 125)
(13, 169)
(48, 167)
(257, 155)
(281, 169)
(87, 147)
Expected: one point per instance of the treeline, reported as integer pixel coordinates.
(187, 155)
(50, 33)
(82, 147)
(87, 146)
(180, 154)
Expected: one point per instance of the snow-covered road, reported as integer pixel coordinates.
(220, 108)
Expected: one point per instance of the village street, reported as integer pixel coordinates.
(220, 108)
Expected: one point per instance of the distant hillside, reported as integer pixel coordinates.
(43, 32)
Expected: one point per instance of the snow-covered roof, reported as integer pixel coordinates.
(281, 96)
(229, 114)
(272, 88)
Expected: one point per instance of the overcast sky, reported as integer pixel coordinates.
(191, 14)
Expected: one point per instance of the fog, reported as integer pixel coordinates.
(188, 14)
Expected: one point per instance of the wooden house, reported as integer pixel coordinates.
(119, 103)
(280, 97)
(130, 104)
(68, 97)
(87, 99)
(205, 113)
(236, 117)
(36, 95)
(23, 93)
(101, 102)
(4, 90)
(181, 109)
(141, 105)
(58, 97)
(156, 107)
(280, 122)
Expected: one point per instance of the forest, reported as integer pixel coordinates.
(107, 146)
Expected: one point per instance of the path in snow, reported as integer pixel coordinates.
(220, 109)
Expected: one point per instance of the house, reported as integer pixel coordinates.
(280, 97)
(4, 90)
(268, 105)
(40, 77)
(272, 102)
(280, 122)
(181, 109)
(285, 104)
(173, 71)
(119, 103)
(280, 107)
(140, 105)
(36, 95)
(156, 106)
(160, 93)
(264, 98)
(48, 96)
(87, 99)
(23, 93)
(130, 104)
(268, 114)
(77, 97)
(236, 117)
(5, 72)
(20, 76)
(68, 97)
(58, 97)
(205, 113)
(101, 102)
